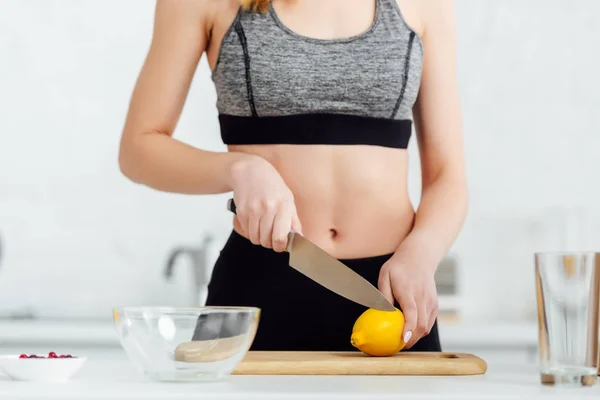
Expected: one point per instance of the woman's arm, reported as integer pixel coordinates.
(437, 115)
(149, 154)
(409, 275)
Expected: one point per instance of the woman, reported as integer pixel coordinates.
(316, 103)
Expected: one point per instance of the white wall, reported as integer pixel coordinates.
(74, 228)
(529, 90)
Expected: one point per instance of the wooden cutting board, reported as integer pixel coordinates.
(356, 363)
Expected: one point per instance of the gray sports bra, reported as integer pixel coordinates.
(275, 86)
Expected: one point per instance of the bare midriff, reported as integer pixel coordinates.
(352, 201)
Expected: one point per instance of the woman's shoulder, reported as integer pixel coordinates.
(412, 14)
(221, 11)
(209, 11)
(220, 14)
(426, 15)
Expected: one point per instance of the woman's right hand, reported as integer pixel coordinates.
(265, 206)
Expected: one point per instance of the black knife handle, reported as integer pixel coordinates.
(231, 206)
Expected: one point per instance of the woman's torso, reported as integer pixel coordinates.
(350, 181)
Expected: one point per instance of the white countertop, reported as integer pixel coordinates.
(69, 332)
(116, 379)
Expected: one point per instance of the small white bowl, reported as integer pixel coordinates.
(41, 369)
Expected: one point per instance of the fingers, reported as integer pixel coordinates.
(418, 319)
(267, 223)
(409, 309)
(285, 221)
(249, 216)
(281, 228)
(266, 229)
(385, 286)
(254, 228)
(417, 297)
(408, 305)
(296, 225)
(421, 325)
(242, 216)
(432, 315)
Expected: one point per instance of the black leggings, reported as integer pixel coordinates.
(296, 312)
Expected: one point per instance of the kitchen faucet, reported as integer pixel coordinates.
(199, 259)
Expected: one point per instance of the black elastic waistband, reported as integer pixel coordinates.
(238, 246)
(332, 129)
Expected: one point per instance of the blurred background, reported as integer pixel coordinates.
(77, 238)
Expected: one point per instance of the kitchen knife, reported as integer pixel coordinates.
(312, 261)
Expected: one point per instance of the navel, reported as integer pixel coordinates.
(333, 233)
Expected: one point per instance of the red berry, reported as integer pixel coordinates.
(52, 355)
(23, 356)
(62, 356)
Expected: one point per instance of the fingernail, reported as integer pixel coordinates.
(407, 336)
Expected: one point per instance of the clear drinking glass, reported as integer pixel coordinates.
(567, 298)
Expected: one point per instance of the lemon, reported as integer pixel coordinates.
(378, 333)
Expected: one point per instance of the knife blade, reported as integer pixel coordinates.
(318, 265)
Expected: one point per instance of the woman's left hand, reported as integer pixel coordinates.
(413, 286)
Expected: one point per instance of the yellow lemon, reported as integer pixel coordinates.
(378, 333)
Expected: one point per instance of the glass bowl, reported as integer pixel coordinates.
(186, 343)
